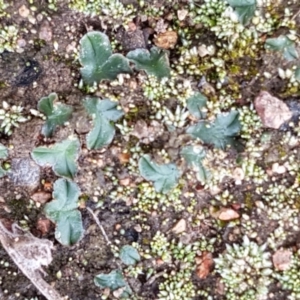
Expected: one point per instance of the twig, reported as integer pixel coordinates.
(295, 15)
(154, 277)
(99, 225)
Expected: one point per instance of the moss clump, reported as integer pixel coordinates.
(290, 278)
(245, 270)
(3, 7)
(116, 12)
(8, 38)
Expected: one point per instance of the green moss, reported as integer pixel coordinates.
(3, 6)
(19, 208)
(8, 38)
(245, 270)
(290, 278)
(234, 69)
(116, 12)
(2, 84)
(39, 44)
(248, 200)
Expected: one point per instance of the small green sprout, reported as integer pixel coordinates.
(219, 133)
(64, 213)
(97, 59)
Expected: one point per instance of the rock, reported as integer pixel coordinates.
(204, 264)
(228, 214)
(24, 12)
(220, 287)
(138, 228)
(125, 181)
(43, 225)
(276, 168)
(82, 124)
(204, 50)
(132, 39)
(272, 111)
(238, 175)
(161, 26)
(21, 43)
(140, 129)
(118, 292)
(181, 14)
(41, 197)
(166, 40)
(24, 172)
(45, 32)
(179, 227)
(145, 133)
(282, 259)
(124, 157)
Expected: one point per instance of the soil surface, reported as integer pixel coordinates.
(109, 182)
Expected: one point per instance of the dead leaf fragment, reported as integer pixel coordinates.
(272, 111)
(282, 259)
(204, 264)
(166, 40)
(29, 254)
(228, 214)
(179, 227)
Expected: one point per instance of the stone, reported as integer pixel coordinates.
(272, 111)
(166, 40)
(145, 133)
(45, 32)
(238, 175)
(228, 214)
(43, 226)
(179, 227)
(282, 259)
(204, 264)
(24, 172)
(277, 169)
(24, 12)
(41, 197)
(181, 14)
(132, 39)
